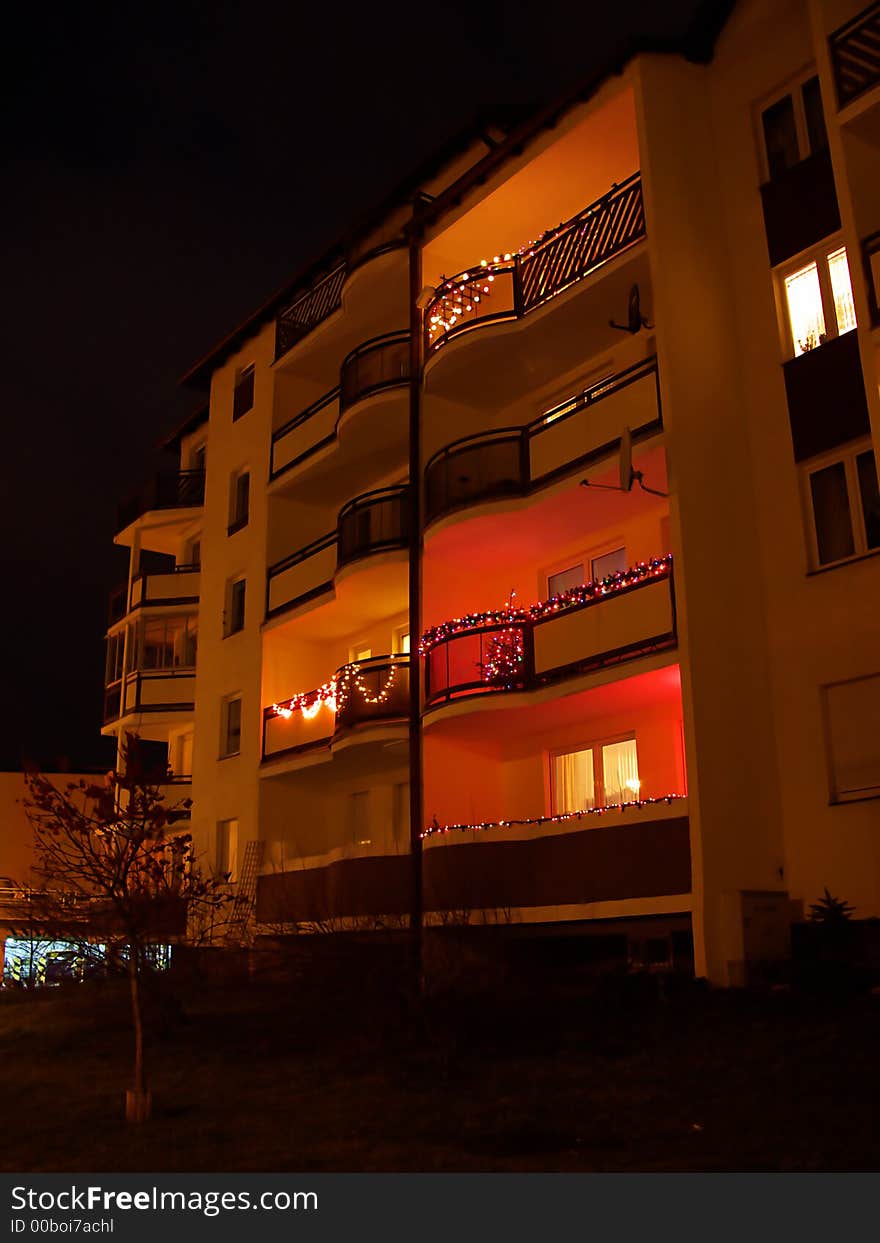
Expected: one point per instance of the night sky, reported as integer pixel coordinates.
(165, 169)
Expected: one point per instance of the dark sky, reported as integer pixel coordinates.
(164, 170)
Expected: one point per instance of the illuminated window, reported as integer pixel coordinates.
(843, 506)
(819, 300)
(793, 127)
(595, 776)
(230, 718)
(402, 641)
(360, 653)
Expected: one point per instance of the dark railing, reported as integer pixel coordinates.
(498, 463)
(513, 285)
(298, 319)
(112, 702)
(367, 690)
(855, 55)
(501, 655)
(374, 522)
(117, 605)
(178, 490)
(380, 363)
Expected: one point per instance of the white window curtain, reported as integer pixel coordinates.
(573, 784)
(620, 771)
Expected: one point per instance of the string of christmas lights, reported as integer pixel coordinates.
(509, 616)
(481, 826)
(459, 295)
(505, 654)
(336, 693)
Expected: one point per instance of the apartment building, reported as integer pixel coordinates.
(529, 536)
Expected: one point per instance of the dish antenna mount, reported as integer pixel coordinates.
(628, 476)
(636, 321)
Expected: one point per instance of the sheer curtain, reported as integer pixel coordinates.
(573, 785)
(620, 771)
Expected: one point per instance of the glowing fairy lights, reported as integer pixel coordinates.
(435, 829)
(512, 617)
(335, 694)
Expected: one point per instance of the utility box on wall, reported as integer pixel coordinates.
(765, 918)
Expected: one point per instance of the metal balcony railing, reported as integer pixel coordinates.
(855, 55)
(308, 310)
(182, 489)
(510, 286)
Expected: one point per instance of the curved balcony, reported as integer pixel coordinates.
(153, 690)
(178, 586)
(182, 489)
(373, 523)
(378, 364)
(514, 461)
(362, 693)
(510, 286)
(855, 55)
(601, 623)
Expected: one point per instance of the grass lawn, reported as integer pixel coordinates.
(272, 1075)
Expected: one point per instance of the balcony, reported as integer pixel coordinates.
(825, 392)
(358, 694)
(855, 55)
(308, 310)
(518, 460)
(510, 286)
(378, 364)
(183, 489)
(153, 690)
(599, 624)
(372, 523)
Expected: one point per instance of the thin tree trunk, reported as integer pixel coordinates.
(139, 1088)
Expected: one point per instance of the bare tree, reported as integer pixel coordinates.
(116, 869)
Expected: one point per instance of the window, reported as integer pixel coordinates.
(360, 653)
(168, 643)
(235, 601)
(115, 654)
(595, 776)
(194, 553)
(243, 397)
(359, 818)
(564, 580)
(609, 563)
(239, 501)
(852, 727)
(230, 716)
(402, 640)
(793, 127)
(227, 849)
(818, 300)
(843, 505)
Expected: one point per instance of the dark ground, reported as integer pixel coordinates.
(286, 1075)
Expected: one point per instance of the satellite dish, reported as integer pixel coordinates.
(636, 321)
(627, 475)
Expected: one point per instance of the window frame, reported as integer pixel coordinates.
(848, 454)
(226, 702)
(596, 746)
(228, 612)
(245, 378)
(793, 88)
(238, 519)
(836, 796)
(819, 255)
(584, 558)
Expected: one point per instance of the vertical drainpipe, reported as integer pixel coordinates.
(416, 790)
